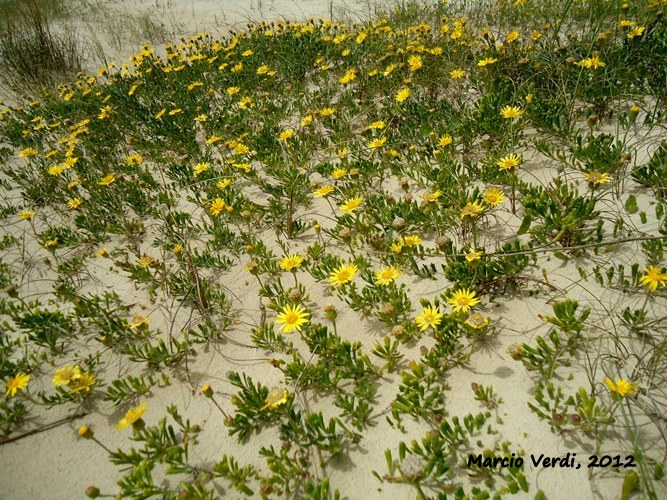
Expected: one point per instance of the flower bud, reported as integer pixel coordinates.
(330, 312)
(85, 432)
(207, 391)
(92, 492)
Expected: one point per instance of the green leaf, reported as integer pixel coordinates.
(525, 225)
(630, 484)
(631, 204)
(540, 495)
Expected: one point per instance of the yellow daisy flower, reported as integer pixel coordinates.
(16, 383)
(621, 387)
(387, 275)
(276, 398)
(597, 178)
(343, 274)
(201, 167)
(402, 94)
(509, 162)
(463, 300)
(27, 214)
(323, 192)
(132, 416)
(493, 197)
(291, 262)
(350, 205)
(217, 206)
(653, 278)
(430, 317)
(412, 240)
(471, 210)
(66, 375)
(107, 180)
(293, 317)
(511, 112)
(415, 62)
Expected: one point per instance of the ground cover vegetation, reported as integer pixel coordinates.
(366, 208)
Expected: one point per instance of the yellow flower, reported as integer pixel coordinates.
(342, 153)
(350, 205)
(175, 111)
(343, 274)
(74, 203)
(622, 387)
(638, 31)
(285, 135)
(378, 125)
(596, 178)
(56, 170)
(291, 262)
(27, 214)
(486, 61)
(415, 62)
(217, 206)
(293, 317)
(241, 149)
(323, 192)
(83, 383)
(471, 210)
(51, 243)
(509, 162)
(201, 118)
(102, 252)
(138, 321)
(104, 112)
(493, 197)
(339, 173)
(445, 140)
(16, 383)
(477, 321)
(132, 416)
(387, 275)
(397, 247)
(213, 139)
(591, 62)
(463, 300)
(66, 375)
(474, 255)
(412, 241)
(327, 111)
(147, 261)
(430, 317)
(653, 278)
(134, 159)
(276, 398)
(511, 112)
(349, 75)
(402, 94)
(232, 91)
(511, 36)
(201, 167)
(307, 120)
(377, 143)
(224, 184)
(178, 248)
(431, 197)
(457, 73)
(107, 180)
(28, 153)
(160, 114)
